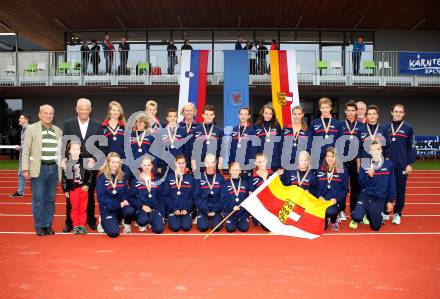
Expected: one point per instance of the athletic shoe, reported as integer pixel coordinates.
(365, 220)
(49, 231)
(127, 228)
(396, 219)
(335, 226)
(385, 217)
(16, 194)
(76, 230)
(83, 230)
(142, 228)
(353, 224)
(99, 226)
(342, 216)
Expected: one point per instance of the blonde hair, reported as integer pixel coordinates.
(151, 103)
(190, 105)
(121, 110)
(149, 159)
(325, 100)
(306, 154)
(105, 169)
(142, 117)
(304, 126)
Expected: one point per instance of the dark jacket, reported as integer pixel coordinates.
(71, 127)
(78, 177)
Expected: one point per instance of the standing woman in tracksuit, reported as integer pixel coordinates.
(268, 130)
(113, 129)
(378, 189)
(113, 194)
(209, 196)
(188, 112)
(179, 191)
(402, 153)
(242, 150)
(304, 176)
(296, 137)
(147, 200)
(236, 190)
(332, 185)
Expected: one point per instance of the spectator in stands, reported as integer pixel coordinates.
(186, 45)
(123, 49)
(39, 163)
(95, 59)
(252, 57)
(109, 50)
(261, 55)
(238, 44)
(358, 48)
(172, 58)
(85, 53)
(274, 45)
(23, 121)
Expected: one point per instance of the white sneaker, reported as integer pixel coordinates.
(385, 217)
(342, 216)
(99, 227)
(142, 228)
(396, 219)
(127, 228)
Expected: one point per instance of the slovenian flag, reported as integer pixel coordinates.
(287, 210)
(284, 77)
(193, 71)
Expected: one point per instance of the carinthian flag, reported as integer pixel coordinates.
(287, 210)
(193, 69)
(284, 79)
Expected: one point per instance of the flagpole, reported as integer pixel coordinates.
(218, 225)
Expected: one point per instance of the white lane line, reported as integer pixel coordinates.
(231, 234)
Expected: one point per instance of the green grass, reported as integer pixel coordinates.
(9, 165)
(419, 165)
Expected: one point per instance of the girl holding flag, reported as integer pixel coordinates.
(236, 189)
(332, 185)
(268, 130)
(303, 177)
(242, 150)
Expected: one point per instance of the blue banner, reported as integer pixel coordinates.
(428, 146)
(419, 63)
(236, 85)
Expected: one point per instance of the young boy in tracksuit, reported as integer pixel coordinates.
(179, 191)
(402, 153)
(75, 184)
(378, 188)
(236, 190)
(113, 194)
(209, 196)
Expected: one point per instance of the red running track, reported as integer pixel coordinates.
(397, 262)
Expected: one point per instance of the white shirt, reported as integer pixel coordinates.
(83, 127)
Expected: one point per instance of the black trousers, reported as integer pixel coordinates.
(351, 167)
(90, 204)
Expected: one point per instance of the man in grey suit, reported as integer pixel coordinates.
(40, 164)
(23, 122)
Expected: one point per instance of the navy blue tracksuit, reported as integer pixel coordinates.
(402, 153)
(110, 204)
(140, 196)
(365, 142)
(189, 131)
(207, 202)
(257, 181)
(270, 145)
(240, 218)
(178, 200)
(200, 141)
(290, 177)
(242, 151)
(115, 141)
(167, 150)
(351, 165)
(303, 143)
(319, 142)
(376, 191)
(338, 190)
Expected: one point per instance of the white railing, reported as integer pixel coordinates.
(330, 68)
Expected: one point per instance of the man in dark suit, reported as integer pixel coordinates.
(83, 127)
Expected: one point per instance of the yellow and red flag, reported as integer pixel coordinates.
(287, 210)
(284, 77)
